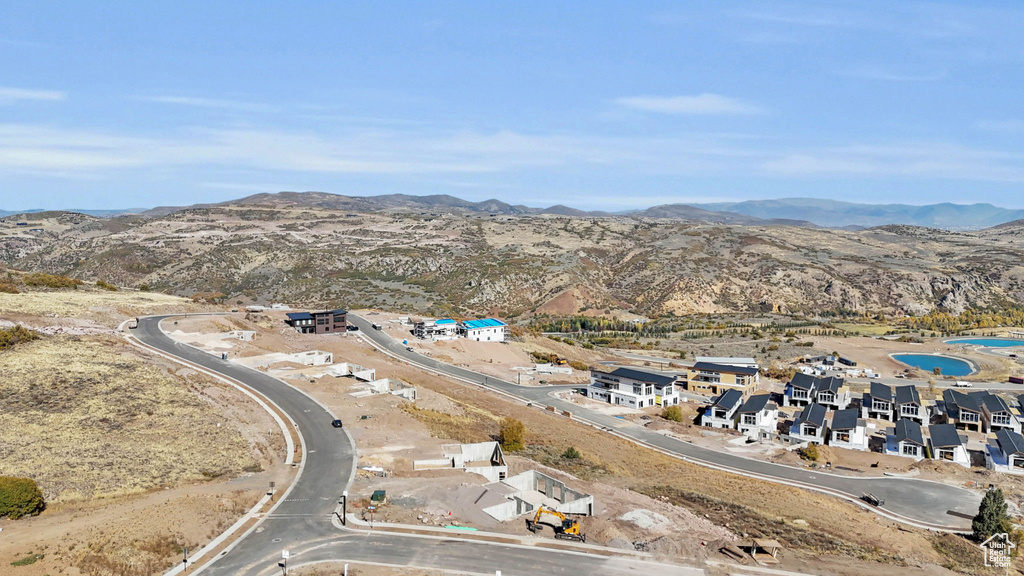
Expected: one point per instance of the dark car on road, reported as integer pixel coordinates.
(336, 423)
(353, 328)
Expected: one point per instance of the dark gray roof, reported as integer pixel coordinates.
(831, 384)
(1020, 400)
(995, 403)
(960, 400)
(908, 430)
(881, 391)
(813, 414)
(729, 398)
(644, 376)
(299, 316)
(710, 367)
(755, 404)
(1010, 442)
(803, 381)
(845, 419)
(907, 395)
(944, 436)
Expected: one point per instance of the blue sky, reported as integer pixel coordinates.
(599, 105)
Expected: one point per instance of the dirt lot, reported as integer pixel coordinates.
(136, 456)
(622, 476)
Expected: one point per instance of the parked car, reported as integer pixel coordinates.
(410, 348)
(337, 423)
(962, 384)
(353, 328)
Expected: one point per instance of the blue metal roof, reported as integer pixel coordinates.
(485, 323)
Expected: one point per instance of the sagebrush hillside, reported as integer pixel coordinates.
(441, 262)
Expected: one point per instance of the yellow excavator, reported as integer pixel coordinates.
(565, 528)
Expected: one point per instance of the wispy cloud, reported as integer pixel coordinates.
(702, 104)
(217, 103)
(11, 95)
(877, 73)
(1010, 126)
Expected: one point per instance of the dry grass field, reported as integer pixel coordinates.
(102, 306)
(86, 417)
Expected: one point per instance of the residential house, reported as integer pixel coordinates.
(441, 329)
(1005, 452)
(709, 378)
(485, 330)
(878, 402)
(998, 414)
(722, 412)
(800, 390)
(906, 440)
(809, 425)
(962, 410)
(848, 430)
(318, 322)
(909, 405)
(947, 444)
(758, 417)
(633, 388)
(832, 393)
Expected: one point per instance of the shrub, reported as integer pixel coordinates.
(27, 560)
(571, 453)
(512, 435)
(581, 366)
(106, 286)
(43, 279)
(810, 452)
(20, 497)
(16, 335)
(673, 413)
(8, 288)
(937, 371)
(144, 288)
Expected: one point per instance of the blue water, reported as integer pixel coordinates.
(949, 366)
(990, 342)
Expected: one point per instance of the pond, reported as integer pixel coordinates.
(928, 362)
(988, 342)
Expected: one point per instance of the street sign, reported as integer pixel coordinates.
(371, 507)
(285, 554)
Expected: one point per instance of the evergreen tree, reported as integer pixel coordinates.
(992, 517)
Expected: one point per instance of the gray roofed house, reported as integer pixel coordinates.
(1005, 452)
(758, 417)
(878, 402)
(800, 390)
(722, 412)
(848, 430)
(644, 376)
(809, 425)
(746, 370)
(947, 444)
(832, 393)
(962, 410)
(906, 440)
(998, 414)
(909, 405)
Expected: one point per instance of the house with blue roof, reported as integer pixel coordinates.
(485, 330)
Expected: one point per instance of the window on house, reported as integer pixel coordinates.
(879, 406)
(750, 419)
(945, 454)
(1001, 419)
(909, 450)
(968, 416)
(1017, 462)
(908, 410)
(810, 430)
(842, 436)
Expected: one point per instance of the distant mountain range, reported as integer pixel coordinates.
(838, 214)
(97, 213)
(802, 212)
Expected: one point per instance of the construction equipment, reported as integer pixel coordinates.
(872, 499)
(565, 528)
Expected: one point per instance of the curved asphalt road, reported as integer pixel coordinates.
(302, 522)
(921, 501)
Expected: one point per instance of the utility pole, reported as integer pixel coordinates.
(344, 507)
(184, 560)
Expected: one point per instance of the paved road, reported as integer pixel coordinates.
(302, 523)
(921, 501)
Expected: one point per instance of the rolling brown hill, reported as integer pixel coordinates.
(295, 249)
